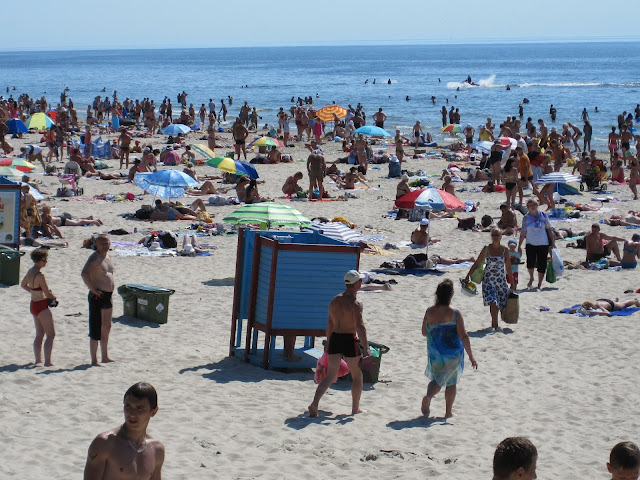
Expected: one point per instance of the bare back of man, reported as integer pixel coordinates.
(317, 169)
(344, 329)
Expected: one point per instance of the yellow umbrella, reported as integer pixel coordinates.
(330, 112)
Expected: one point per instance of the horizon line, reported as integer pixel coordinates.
(372, 43)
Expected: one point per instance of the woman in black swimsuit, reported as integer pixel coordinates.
(604, 306)
(510, 182)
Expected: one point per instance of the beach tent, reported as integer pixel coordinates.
(16, 126)
(39, 121)
(564, 189)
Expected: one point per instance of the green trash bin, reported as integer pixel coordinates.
(152, 303)
(129, 301)
(10, 265)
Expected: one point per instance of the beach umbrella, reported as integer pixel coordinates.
(39, 121)
(266, 142)
(451, 128)
(16, 126)
(18, 163)
(203, 150)
(53, 114)
(176, 129)
(196, 126)
(236, 167)
(508, 141)
(337, 231)
(372, 131)
(430, 197)
(326, 114)
(170, 178)
(482, 146)
(142, 180)
(267, 214)
(10, 172)
(557, 177)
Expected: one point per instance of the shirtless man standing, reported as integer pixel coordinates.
(317, 170)
(344, 329)
(544, 132)
(125, 146)
(379, 118)
(128, 451)
(361, 154)
(240, 134)
(97, 274)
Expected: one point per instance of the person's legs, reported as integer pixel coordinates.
(46, 321)
(290, 348)
(236, 147)
(323, 386)
(37, 341)
(244, 151)
(356, 383)
(613, 247)
(312, 185)
(449, 398)
(320, 188)
(93, 350)
(106, 314)
(432, 390)
(493, 309)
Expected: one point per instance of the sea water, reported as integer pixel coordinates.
(571, 76)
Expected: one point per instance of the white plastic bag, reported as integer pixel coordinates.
(556, 261)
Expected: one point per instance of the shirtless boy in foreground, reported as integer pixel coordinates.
(344, 329)
(127, 451)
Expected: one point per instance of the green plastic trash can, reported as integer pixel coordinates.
(10, 265)
(129, 301)
(152, 303)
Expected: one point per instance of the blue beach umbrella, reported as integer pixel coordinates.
(175, 129)
(170, 178)
(16, 126)
(482, 146)
(373, 131)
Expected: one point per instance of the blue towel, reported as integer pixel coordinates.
(618, 313)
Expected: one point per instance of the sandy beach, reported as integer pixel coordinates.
(566, 382)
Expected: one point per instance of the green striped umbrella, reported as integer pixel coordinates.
(267, 214)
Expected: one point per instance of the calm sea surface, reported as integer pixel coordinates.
(569, 75)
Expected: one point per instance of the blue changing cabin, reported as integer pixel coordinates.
(283, 285)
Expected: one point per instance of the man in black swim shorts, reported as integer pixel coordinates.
(97, 274)
(344, 328)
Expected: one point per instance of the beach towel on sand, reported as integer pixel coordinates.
(618, 313)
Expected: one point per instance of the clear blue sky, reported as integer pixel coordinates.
(87, 24)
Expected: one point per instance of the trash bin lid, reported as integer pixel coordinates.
(140, 287)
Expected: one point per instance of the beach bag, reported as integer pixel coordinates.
(168, 240)
(323, 364)
(551, 277)
(467, 223)
(511, 312)
(395, 170)
(556, 262)
(412, 262)
(478, 274)
(143, 214)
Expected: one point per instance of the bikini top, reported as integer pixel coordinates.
(39, 289)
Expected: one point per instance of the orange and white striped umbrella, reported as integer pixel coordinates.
(330, 112)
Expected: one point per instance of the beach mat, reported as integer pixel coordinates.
(618, 313)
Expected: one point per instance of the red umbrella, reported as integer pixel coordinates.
(53, 115)
(431, 197)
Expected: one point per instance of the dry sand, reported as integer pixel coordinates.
(566, 382)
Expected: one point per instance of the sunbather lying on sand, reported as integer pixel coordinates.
(163, 211)
(604, 306)
(624, 221)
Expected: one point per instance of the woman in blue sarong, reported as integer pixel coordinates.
(447, 341)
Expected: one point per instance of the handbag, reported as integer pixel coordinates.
(368, 363)
(478, 274)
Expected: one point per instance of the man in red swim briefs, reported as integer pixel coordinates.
(345, 330)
